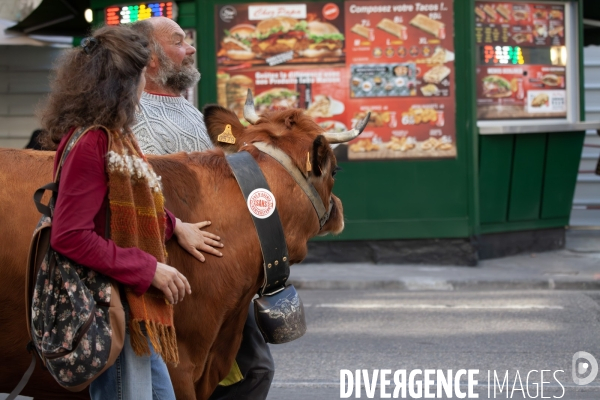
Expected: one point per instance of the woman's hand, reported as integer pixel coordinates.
(193, 239)
(171, 282)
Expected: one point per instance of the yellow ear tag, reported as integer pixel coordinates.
(226, 136)
(308, 164)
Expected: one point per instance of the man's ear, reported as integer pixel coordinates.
(153, 63)
(321, 154)
(224, 127)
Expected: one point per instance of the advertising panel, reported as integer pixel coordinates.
(341, 60)
(521, 71)
(400, 59)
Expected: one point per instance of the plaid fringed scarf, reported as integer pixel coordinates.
(138, 220)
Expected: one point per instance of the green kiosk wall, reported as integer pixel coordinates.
(497, 183)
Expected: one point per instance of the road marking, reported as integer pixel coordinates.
(436, 306)
(481, 385)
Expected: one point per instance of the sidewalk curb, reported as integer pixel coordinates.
(414, 285)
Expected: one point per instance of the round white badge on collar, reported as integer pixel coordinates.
(261, 203)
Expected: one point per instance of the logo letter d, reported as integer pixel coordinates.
(575, 370)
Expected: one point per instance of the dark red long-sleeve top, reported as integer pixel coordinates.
(79, 221)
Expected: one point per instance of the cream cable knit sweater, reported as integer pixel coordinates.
(166, 125)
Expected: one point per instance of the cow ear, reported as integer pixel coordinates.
(291, 120)
(321, 154)
(216, 119)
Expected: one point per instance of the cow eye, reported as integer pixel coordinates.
(336, 170)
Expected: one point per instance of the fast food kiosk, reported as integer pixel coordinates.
(476, 125)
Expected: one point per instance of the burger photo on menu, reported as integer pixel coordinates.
(551, 80)
(322, 40)
(277, 35)
(314, 40)
(237, 42)
(495, 86)
(276, 99)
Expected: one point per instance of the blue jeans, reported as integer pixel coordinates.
(133, 377)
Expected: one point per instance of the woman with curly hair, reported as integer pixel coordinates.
(106, 184)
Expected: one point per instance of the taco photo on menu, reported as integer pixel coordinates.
(540, 100)
(423, 22)
(480, 13)
(393, 28)
(361, 30)
(489, 10)
(276, 99)
(496, 86)
(504, 11)
(436, 74)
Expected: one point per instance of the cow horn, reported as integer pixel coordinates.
(249, 110)
(343, 137)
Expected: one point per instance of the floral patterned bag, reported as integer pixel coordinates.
(76, 318)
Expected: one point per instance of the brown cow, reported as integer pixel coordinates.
(197, 187)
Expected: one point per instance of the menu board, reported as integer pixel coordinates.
(340, 60)
(521, 60)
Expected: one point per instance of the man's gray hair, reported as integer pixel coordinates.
(146, 29)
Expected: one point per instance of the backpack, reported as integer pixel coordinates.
(75, 317)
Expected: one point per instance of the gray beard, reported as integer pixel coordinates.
(176, 78)
(183, 79)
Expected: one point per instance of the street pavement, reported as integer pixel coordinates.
(500, 331)
(522, 313)
(577, 267)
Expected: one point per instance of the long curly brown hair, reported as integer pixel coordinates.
(96, 84)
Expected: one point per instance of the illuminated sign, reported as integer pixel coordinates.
(116, 15)
(503, 55)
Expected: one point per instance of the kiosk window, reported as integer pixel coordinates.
(521, 60)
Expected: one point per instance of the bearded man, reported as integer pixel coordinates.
(168, 123)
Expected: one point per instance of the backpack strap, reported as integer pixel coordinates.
(48, 209)
(78, 134)
(26, 376)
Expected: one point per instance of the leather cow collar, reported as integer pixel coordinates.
(301, 179)
(278, 310)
